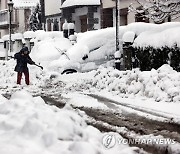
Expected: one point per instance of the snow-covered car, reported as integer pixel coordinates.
(93, 48)
(87, 62)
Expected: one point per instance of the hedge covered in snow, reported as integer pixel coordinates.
(150, 57)
(154, 48)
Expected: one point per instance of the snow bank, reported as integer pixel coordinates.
(8, 76)
(7, 73)
(161, 85)
(28, 125)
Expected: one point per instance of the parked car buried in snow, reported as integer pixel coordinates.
(82, 63)
(93, 48)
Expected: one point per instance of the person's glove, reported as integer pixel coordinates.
(33, 63)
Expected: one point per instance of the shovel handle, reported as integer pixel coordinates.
(39, 66)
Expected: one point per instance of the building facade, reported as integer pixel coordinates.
(20, 16)
(96, 14)
(52, 15)
(84, 14)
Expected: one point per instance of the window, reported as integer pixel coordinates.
(123, 16)
(48, 25)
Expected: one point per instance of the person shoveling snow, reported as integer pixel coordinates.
(23, 59)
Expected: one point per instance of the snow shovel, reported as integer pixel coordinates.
(39, 66)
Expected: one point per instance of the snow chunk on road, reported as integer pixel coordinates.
(81, 100)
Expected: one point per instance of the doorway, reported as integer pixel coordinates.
(83, 20)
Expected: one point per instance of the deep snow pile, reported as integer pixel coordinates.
(9, 76)
(162, 84)
(29, 126)
(7, 73)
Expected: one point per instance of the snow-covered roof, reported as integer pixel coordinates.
(69, 3)
(25, 3)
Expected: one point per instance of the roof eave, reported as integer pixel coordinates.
(76, 6)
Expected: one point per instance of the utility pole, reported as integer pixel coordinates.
(42, 4)
(117, 25)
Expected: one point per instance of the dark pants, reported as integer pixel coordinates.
(19, 77)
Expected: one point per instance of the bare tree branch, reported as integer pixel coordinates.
(157, 10)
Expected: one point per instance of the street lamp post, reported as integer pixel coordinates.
(10, 7)
(117, 54)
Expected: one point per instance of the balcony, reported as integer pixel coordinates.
(4, 20)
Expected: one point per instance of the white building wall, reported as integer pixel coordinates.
(3, 5)
(52, 7)
(108, 3)
(21, 20)
(75, 17)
